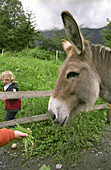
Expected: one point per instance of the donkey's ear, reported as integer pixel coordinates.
(73, 32)
(67, 46)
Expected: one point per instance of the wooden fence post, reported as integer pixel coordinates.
(2, 51)
(57, 54)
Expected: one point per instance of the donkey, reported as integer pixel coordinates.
(83, 77)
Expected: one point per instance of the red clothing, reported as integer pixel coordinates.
(13, 104)
(6, 135)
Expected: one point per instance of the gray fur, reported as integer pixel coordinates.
(84, 76)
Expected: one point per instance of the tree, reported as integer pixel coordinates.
(17, 30)
(107, 34)
(54, 41)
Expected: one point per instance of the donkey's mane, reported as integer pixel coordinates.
(101, 55)
(101, 47)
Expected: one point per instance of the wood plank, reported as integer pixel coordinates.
(24, 94)
(24, 120)
(39, 117)
(98, 107)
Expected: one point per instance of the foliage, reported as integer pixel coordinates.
(86, 35)
(107, 34)
(44, 167)
(41, 54)
(17, 30)
(28, 141)
(64, 144)
(38, 53)
(59, 143)
(53, 43)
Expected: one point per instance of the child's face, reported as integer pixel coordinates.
(4, 81)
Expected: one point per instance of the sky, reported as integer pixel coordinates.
(88, 13)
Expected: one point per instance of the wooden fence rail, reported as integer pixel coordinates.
(40, 117)
(24, 94)
(24, 120)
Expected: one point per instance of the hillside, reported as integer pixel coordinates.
(93, 35)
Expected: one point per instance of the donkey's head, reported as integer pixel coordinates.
(77, 87)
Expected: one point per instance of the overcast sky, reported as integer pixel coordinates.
(89, 13)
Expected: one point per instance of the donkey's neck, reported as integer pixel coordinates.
(101, 61)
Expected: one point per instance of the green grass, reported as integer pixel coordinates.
(61, 144)
(31, 74)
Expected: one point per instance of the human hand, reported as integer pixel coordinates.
(20, 135)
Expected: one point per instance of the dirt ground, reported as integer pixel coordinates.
(96, 158)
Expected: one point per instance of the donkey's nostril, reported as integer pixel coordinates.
(52, 115)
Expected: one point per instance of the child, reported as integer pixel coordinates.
(7, 135)
(12, 106)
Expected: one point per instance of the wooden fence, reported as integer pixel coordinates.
(24, 94)
(32, 94)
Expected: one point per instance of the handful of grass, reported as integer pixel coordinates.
(27, 141)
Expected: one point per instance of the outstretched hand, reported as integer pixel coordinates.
(20, 135)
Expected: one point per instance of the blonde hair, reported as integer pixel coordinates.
(8, 76)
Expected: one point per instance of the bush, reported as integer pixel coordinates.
(41, 54)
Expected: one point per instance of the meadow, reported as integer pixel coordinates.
(37, 70)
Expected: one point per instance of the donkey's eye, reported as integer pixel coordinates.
(72, 74)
